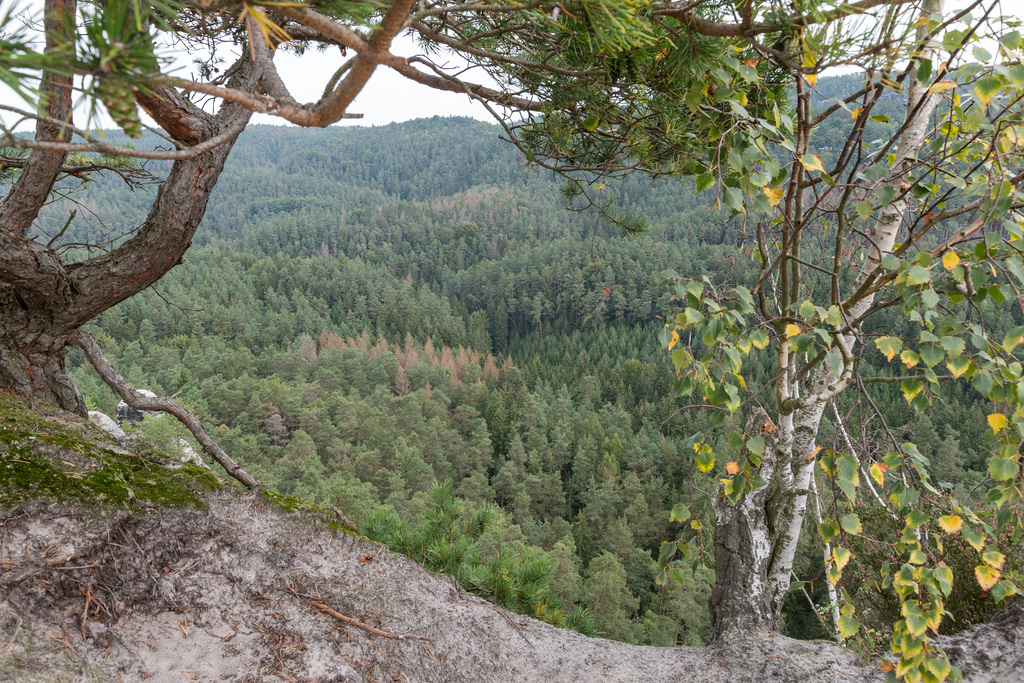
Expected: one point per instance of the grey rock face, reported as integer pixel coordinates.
(107, 424)
(189, 455)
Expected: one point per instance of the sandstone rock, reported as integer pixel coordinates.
(107, 424)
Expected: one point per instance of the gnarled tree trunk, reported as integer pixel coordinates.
(43, 299)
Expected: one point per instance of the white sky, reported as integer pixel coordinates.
(387, 97)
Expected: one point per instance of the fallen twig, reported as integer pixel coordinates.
(326, 609)
(17, 630)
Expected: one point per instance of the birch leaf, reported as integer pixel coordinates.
(812, 162)
(852, 525)
(680, 513)
(975, 538)
(997, 421)
(841, 557)
(889, 346)
(986, 89)
(848, 626)
(950, 523)
(987, 576)
(918, 275)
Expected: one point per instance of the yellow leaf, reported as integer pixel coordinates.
(909, 358)
(732, 467)
(855, 113)
(812, 162)
(774, 196)
(993, 558)
(841, 556)
(696, 525)
(792, 330)
(950, 524)
(811, 78)
(942, 86)
(877, 473)
(997, 421)
(950, 260)
(675, 339)
(987, 576)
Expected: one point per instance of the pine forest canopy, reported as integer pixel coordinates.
(872, 270)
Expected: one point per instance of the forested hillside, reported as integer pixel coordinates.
(368, 311)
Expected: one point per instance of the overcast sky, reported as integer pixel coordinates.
(386, 98)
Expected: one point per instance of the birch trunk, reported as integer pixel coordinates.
(756, 539)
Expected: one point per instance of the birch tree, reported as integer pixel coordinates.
(927, 221)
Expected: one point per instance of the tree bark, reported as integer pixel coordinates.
(742, 600)
(43, 300)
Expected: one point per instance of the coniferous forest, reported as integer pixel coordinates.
(409, 325)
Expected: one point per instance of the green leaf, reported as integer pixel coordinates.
(916, 518)
(759, 338)
(958, 366)
(680, 513)
(986, 88)
(1002, 469)
(704, 181)
(975, 538)
(666, 553)
(1013, 338)
(916, 623)
(930, 354)
(918, 276)
(734, 199)
(944, 576)
(864, 209)
(954, 346)
(889, 346)
(851, 524)
(828, 530)
(705, 459)
(911, 388)
(756, 445)
(848, 626)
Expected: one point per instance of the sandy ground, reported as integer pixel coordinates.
(229, 594)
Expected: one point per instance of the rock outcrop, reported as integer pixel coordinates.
(107, 424)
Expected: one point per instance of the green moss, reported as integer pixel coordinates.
(47, 454)
(292, 504)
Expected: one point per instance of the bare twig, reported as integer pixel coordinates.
(326, 609)
(17, 630)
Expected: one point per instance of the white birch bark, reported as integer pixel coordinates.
(769, 524)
